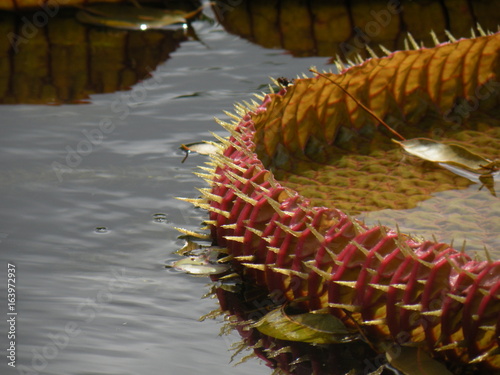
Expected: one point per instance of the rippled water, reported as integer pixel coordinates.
(88, 210)
(78, 222)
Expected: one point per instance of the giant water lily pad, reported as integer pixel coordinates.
(311, 137)
(324, 145)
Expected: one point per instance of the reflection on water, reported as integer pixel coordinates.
(65, 61)
(132, 316)
(35, 5)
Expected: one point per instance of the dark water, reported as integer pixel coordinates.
(100, 301)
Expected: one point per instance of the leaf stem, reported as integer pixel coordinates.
(361, 105)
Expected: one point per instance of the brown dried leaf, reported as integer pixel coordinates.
(449, 153)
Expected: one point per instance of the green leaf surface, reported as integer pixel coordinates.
(309, 327)
(414, 361)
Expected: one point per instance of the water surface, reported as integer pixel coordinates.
(78, 217)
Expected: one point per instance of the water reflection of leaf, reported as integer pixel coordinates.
(308, 327)
(82, 61)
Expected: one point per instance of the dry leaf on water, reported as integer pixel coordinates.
(448, 153)
(455, 158)
(203, 265)
(202, 148)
